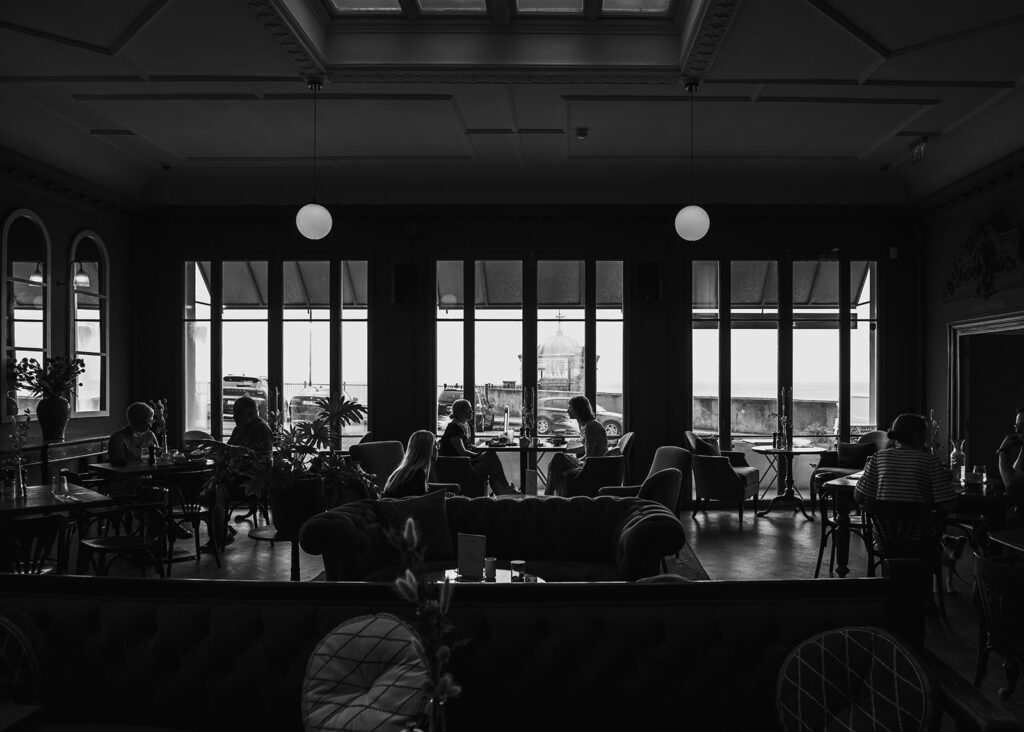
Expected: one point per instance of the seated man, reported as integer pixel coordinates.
(251, 432)
(131, 442)
(1011, 459)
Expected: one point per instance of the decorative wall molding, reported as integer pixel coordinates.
(967, 190)
(985, 263)
(702, 45)
(284, 34)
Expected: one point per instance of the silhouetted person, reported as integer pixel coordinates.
(456, 441)
(131, 442)
(564, 466)
(411, 476)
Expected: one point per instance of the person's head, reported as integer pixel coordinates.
(462, 410)
(1018, 423)
(140, 416)
(580, 409)
(244, 410)
(421, 449)
(909, 430)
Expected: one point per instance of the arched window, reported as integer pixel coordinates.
(87, 279)
(26, 323)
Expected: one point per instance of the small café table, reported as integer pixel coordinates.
(40, 500)
(784, 456)
(530, 452)
(138, 469)
(502, 576)
(977, 509)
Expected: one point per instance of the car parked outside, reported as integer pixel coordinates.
(303, 406)
(552, 417)
(234, 386)
(484, 421)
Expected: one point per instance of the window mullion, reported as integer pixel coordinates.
(216, 346)
(844, 349)
(590, 330)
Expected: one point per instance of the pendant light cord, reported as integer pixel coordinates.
(690, 87)
(314, 86)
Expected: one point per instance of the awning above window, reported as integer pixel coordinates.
(499, 284)
(755, 284)
(307, 285)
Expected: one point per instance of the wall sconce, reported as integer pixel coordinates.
(37, 276)
(448, 300)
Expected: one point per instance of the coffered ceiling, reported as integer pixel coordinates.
(801, 101)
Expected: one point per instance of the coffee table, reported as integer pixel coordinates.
(504, 576)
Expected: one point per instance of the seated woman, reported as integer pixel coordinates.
(565, 467)
(456, 442)
(1011, 459)
(411, 475)
(907, 472)
(130, 442)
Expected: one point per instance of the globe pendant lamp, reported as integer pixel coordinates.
(692, 222)
(313, 220)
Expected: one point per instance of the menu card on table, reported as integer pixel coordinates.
(472, 548)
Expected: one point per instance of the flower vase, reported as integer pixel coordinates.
(53, 413)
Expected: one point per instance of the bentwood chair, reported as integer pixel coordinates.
(27, 544)
(20, 670)
(185, 506)
(1000, 586)
(134, 530)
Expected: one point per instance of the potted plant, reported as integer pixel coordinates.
(293, 491)
(54, 382)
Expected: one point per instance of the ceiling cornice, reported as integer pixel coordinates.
(1000, 175)
(287, 33)
(32, 174)
(703, 33)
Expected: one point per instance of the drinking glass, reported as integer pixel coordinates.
(980, 471)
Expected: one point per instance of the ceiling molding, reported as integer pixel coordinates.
(850, 27)
(299, 50)
(706, 26)
(966, 33)
(37, 176)
(994, 178)
(136, 26)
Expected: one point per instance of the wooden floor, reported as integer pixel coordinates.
(781, 545)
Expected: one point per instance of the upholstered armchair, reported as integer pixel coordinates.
(667, 456)
(845, 460)
(459, 471)
(721, 475)
(378, 458)
(597, 472)
(661, 487)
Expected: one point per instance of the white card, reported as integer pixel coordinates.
(472, 548)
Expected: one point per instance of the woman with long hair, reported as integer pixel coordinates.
(565, 467)
(411, 475)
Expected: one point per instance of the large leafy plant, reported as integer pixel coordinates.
(58, 378)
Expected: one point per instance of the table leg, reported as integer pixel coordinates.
(295, 560)
(785, 462)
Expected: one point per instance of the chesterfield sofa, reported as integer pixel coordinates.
(230, 656)
(577, 539)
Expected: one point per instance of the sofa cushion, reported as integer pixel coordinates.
(431, 519)
(855, 455)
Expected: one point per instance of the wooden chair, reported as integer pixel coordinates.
(185, 506)
(1000, 586)
(20, 670)
(135, 529)
(829, 524)
(27, 544)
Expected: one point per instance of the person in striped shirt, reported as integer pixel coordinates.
(907, 472)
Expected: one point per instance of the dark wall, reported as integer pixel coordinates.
(946, 231)
(65, 216)
(401, 332)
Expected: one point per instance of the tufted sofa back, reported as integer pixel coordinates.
(224, 655)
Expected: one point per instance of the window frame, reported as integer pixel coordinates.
(103, 273)
(47, 284)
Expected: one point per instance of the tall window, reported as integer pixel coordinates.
(488, 334)
(26, 277)
(498, 336)
(863, 347)
(244, 356)
(355, 342)
(816, 351)
(89, 329)
(705, 347)
(306, 339)
(610, 344)
(754, 347)
(198, 348)
(561, 335)
(450, 334)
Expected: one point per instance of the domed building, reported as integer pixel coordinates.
(560, 365)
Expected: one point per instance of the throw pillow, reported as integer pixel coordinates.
(708, 446)
(366, 674)
(431, 518)
(855, 455)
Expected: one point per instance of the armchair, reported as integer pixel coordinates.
(378, 458)
(698, 445)
(838, 464)
(460, 471)
(597, 472)
(624, 448)
(721, 475)
(667, 456)
(661, 487)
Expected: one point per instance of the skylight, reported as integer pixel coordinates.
(635, 7)
(452, 6)
(574, 7)
(365, 6)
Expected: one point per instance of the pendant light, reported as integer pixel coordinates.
(37, 275)
(313, 220)
(692, 222)
(81, 278)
